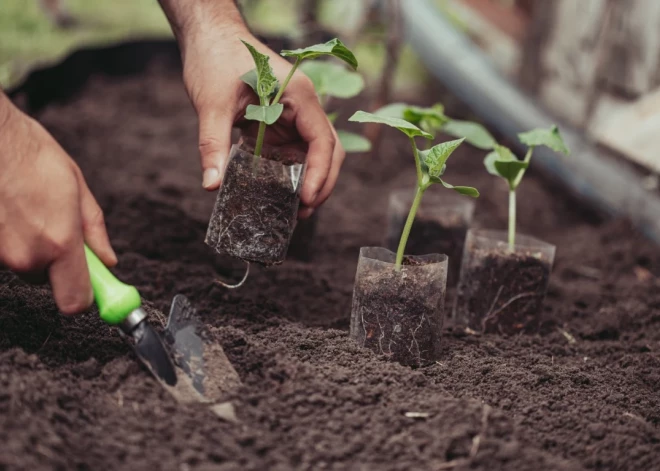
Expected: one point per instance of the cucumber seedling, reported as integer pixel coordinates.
(264, 83)
(503, 163)
(430, 166)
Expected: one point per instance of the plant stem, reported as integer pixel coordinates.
(418, 163)
(280, 92)
(260, 139)
(406, 229)
(512, 219)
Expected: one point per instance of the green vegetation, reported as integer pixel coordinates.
(430, 164)
(264, 83)
(27, 37)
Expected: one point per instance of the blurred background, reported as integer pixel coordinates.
(593, 66)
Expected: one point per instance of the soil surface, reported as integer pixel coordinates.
(72, 396)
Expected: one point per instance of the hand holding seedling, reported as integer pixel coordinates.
(430, 165)
(46, 212)
(210, 34)
(503, 163)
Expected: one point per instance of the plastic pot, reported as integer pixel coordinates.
(256, 208)
(399, 314)
(501, 290)
(440, 226)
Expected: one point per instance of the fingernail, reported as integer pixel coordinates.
(210, 177)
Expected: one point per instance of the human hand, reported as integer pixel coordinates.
(214, 60)
(47, 212)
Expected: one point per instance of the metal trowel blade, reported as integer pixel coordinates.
(196, 354)
(153, 354)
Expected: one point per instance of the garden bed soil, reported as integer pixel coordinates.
(72, 396)
(255, 212)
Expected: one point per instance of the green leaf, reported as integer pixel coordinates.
(489, 163)
(430, 119)
(266, 114)
(434, 114)
(332, 79)
(250, 78)
(503, 163)
(333, 48)
(463, 190)
(405, 127)
(545, 137)
(434, 159)
(266, 82)
(474, 133)
(352, 142)
(511, 170)
(393, 110)
(332, 117)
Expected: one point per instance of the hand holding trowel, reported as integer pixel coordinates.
(200, 371)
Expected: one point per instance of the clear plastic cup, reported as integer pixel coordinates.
(256, 208)
(440, 226)
(501, 290)
(399, 314)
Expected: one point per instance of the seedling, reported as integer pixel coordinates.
(503, 163)
(264, 83)
(330, 81)
(434, 120)
(430, 165)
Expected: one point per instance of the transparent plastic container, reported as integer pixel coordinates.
(502, 291)
(399, 314)
(256, 208)
(440, 226)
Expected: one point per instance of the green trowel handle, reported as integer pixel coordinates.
(115, 299)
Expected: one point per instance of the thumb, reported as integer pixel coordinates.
(93, 222)
(215, 127)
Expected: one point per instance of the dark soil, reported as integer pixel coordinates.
(399, 314)
(72, 396)
(502, 292)
(256, 208)
(301, 246)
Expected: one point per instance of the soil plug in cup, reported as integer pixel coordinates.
(504, 277)
(330, 81)
(255, 211)
(441, 223)
(398, 301)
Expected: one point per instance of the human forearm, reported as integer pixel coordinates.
(191, 18)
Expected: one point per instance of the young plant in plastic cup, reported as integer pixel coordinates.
(504, 275)
(256, 207)
(398, 300)
(331, 81)
(442, 222)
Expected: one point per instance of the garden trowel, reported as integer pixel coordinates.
(200, 357)
(200, 372)
(120, 305)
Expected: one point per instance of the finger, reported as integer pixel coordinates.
(93, 223)
(69, 279)
(338, 157)
(305, 212)
(314, 128)
(215, 126)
